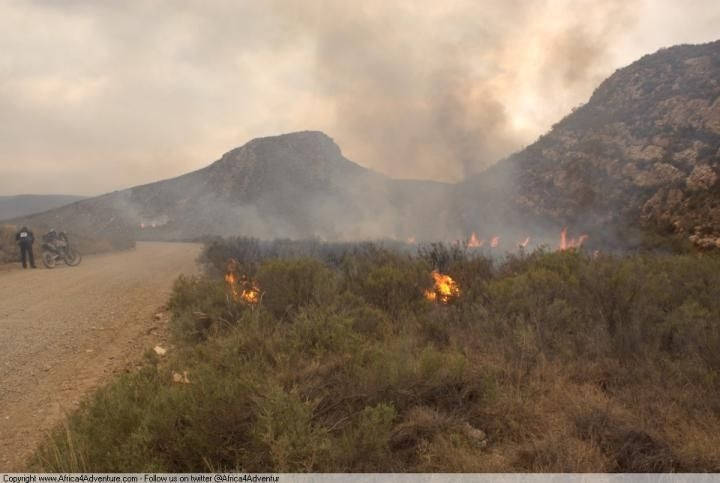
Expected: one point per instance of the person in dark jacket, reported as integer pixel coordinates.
(25, 239)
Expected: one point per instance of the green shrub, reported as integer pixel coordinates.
(199, 306)
(364, 447)
(288, 285)
(285, 427)
(317, 331)
(395, 286)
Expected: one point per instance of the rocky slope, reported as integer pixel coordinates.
(644, 151)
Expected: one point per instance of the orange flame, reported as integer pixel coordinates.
(474, 241)
(572, 243)
(444, 290)
(495, 241)
(241, 289)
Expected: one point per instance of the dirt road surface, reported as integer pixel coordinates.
(64, 332)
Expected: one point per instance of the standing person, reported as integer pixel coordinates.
(25, 239)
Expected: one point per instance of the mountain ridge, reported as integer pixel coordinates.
(291, 185)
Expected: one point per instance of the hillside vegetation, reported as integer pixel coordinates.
(645, 149)
(544, 362)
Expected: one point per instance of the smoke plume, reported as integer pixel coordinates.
(104, 95)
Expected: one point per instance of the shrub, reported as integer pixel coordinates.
(199, 306)
(393, 288)
(393, 283)
(9, 251)
(546, 362)
(318, 331)
(364, 447)
(288, 285)
(285, 427)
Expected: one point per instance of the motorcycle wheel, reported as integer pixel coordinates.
(48, 260)
(73, 258)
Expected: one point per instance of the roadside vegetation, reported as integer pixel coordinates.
(546, 361)
(10, 252)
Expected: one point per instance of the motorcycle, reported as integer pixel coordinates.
(57, 248)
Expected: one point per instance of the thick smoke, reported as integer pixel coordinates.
(429, 91)
(116, 94)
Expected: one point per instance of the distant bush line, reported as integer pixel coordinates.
(10, 252)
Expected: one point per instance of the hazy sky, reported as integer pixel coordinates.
(100, 95)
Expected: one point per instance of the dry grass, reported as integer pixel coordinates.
(8, 248)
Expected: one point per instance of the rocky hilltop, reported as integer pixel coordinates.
(644, 151)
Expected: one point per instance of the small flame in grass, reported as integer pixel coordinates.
(524, 243)
(570, 243)
(495, 241)
(240, 288)
(474, 241)
(411, 240)
(444, 290)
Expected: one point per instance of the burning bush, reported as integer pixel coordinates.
(570, 243)
(240, 288)
(444, 290)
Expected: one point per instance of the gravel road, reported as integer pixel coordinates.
(64, 332)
